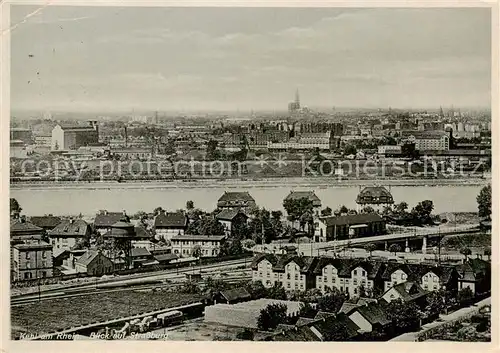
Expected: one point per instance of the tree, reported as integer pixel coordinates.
(350, 149)
(464, 295)
(404, 316)
(277, 292)
(197, 252)
(370, 247)
(212, 153)
(401, 207)
(15, 208)
(422, 212)
(248, 243)
(484, 202)
(189, 205)
(487, 252)
(436, 302)
(326, 212)
(367, 209)
(395, 248)
(205, 226)
(343, 209)
(295, 208)
(466, 252)
(256, 289)
(271, 316)
(332, 301)
(158, 210)
(306, 310)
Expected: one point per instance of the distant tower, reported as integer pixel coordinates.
(297, 99)
(441, 113)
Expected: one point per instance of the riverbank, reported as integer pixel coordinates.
(246, 183)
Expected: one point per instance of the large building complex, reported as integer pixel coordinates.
(72, 137)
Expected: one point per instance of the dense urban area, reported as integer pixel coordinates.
(312, 270)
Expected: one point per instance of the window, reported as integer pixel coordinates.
(355, 272)
(288, 285)
(319, 278)
(301, 286)
(355, 282)
(435, 279)
(403, 276)
(363, 273)
(296, 276)
(27, 255)
(333, 279)
(435, 287)
(28, 265)
(346, 281)
(355, 290)
(44, 254)
(325, 279)
(287, 276)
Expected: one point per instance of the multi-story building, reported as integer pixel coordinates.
(68, 233)
(428, 140)
(306, 142)
(125, 153)
(43, 140)
(24, 135)
(71, 137)
(241, 200)
(309, 195)
(337, 129)
(349, 226)
(230, 219)
(104, 220)
(31, 259)
(376, 197)
(94, 263)
(186, 245)
(170, 224)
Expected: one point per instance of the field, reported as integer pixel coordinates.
(480, 241)
(51, 315)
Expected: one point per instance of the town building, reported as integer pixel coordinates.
(141, 257)
(242, 200)
(348, 275)
(428, 140)
(230, 219)
(131, 153)
(47, 222)
(67, 234)
(21, 229)
(18, 149)
(31, 259)
(186, 245)
(43, 140)
(307, 142)
(337, 129)
(390, 151)
(94, 263)
(170, 224)
(309, 195)
(369, 317)
(349, 226)
(72, 137)
(104, 220)
(291, 271)
(376, 197)
(232, 296)
(21, 134)
(407, 292)
(475, 274)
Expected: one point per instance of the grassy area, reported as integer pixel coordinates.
(474, 329)
(51, 315)
(479, 240)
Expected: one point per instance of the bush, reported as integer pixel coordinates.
(482, 326)
(246, 335)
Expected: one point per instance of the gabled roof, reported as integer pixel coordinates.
(235, 294)
(135, 252)
(165, 257)
(323, 315)
(87, 258)
(107, 219)
(171, 219)
(46, 222)
(199, 237)
(352, 219)
(141, 232)
(236, 196)
(409, 291)
(429, 134)
(376, 193)
(273, 259)
(230, 214)
(20, 226)
(70, 228)
(344, 266)
(374, 314)
(306, 264)
(310, 195)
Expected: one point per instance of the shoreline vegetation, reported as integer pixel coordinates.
(244, 183)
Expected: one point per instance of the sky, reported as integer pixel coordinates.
(110, 58)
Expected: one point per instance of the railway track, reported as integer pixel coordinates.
(129, 280)
(159, 285)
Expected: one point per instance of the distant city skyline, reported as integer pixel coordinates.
(228, 59)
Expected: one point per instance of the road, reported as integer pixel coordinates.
(130, 279)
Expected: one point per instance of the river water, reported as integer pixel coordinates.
(68, 201)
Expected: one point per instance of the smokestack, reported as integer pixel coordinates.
(126, 137)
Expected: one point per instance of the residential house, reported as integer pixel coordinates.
(104, 220)
(31, 259)
(170, 224)
(430, 277)
(230, 219)
(376, 197)
(309, 195)
(209, 245)
(475, 274)
(369, 317)
(408, 292)
(94, 263)
(348, 275)
(349, 226)
(242, 200)
(68, 233)
(165, 259)
(262, 269)
(21, 229)
(47, 223)
(294, 272)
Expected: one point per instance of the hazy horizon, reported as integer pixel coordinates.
(110, 59)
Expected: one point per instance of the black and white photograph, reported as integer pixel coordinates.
(239, 173)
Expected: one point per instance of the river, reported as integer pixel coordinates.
(88, 201)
